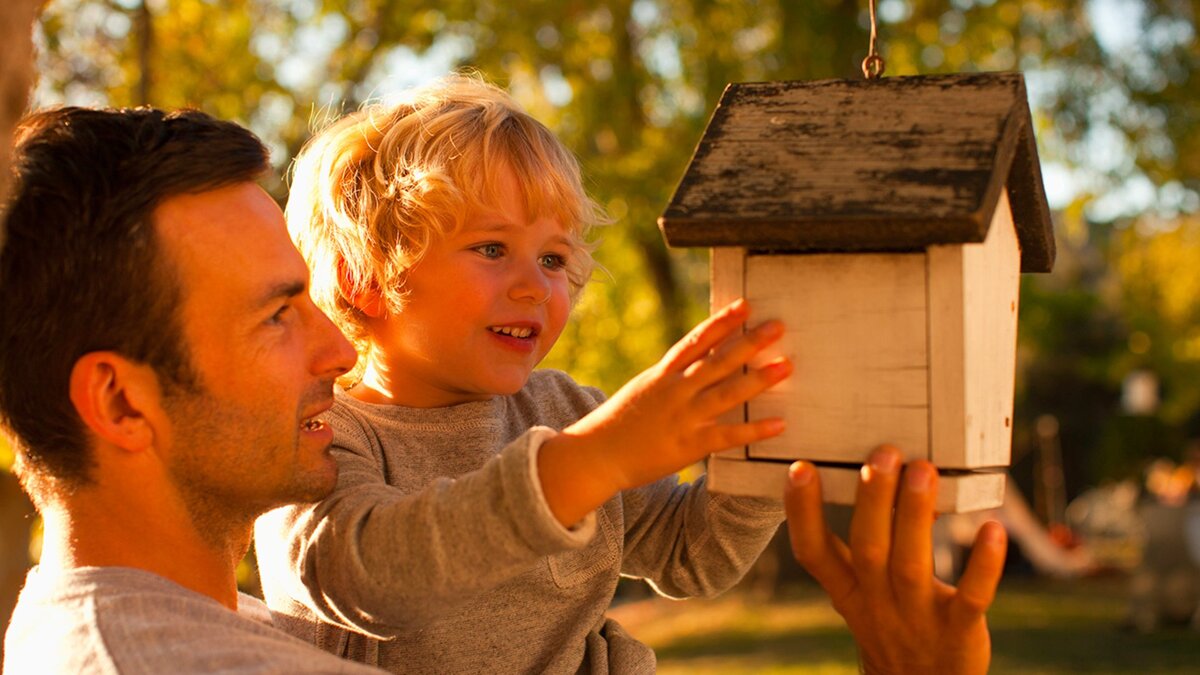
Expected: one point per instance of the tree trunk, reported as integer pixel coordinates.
(145, 34)
(834, 44)
(629, 123)
(16, 77)
(16, 74)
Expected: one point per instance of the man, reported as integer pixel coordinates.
(163, 373)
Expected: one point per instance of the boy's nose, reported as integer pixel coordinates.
(530, 285)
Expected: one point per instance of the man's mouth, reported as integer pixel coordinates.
(312, 424)
(522, 332)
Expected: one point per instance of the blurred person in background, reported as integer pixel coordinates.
(1165, 585)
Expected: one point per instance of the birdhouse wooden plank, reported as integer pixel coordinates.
(886, 222)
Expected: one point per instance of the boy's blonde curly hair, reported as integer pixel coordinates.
(372, 191)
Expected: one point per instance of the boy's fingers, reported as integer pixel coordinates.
(912, 548)
(977, 586)
(734, 353)
(736, 389)
(813, 545)
(871, 525)
(718, 437)
(707, 335)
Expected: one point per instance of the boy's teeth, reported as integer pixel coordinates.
(515, 332)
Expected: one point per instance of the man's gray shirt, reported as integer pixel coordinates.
(124, 620)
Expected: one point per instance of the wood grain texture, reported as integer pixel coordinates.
(727, 277)
(957, 492)
(894, 164)
(973, 296)
(856, 332)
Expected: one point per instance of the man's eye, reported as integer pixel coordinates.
(281, 315)
(553, 261)
(490, 250)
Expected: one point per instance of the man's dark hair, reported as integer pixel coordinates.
(82, 270)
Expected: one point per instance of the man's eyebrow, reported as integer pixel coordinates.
(287, 289)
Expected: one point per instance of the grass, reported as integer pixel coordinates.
(1038, 627)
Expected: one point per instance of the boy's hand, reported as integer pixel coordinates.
(665, 418)
(904, 620)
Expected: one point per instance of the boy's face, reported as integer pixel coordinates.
(483, 307)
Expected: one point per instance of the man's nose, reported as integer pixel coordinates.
(334, 355)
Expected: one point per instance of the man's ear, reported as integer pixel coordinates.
(117, 399)
(367, 300)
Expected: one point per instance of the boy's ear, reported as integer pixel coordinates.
(117, 399)
(369, 300)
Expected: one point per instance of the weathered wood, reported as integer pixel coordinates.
(886, 223)
(864, 165)
(957, 493)
(727, 276)
(856, 332)
(973, 296)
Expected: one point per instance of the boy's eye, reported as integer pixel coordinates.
(553, 261)
(490, 250)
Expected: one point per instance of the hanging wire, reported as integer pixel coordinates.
(873, 66)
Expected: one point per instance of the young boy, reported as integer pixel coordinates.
(484, 511)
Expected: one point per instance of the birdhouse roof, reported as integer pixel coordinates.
(891, 164)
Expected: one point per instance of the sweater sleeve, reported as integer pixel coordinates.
(377, 560)
(687, 541)
(683, 539)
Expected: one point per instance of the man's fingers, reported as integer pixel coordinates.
(911, 563)
(813, 545)
(871, 525)
(707, 335)
(977, 586)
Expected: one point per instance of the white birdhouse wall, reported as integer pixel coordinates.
(912, 349)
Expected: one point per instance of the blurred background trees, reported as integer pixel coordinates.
(629, 85)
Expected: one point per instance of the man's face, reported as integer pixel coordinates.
(248, 437)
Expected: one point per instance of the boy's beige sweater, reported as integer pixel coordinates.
(438, 554)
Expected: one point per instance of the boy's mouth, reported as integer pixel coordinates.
(523, 332)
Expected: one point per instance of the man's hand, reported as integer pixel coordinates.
(904, 620)
(665, 418)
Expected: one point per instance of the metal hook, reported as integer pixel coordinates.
(873, 66)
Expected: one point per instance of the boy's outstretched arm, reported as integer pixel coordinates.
(665, 418)
(903, 619)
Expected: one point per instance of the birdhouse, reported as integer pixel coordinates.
(886, 222)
